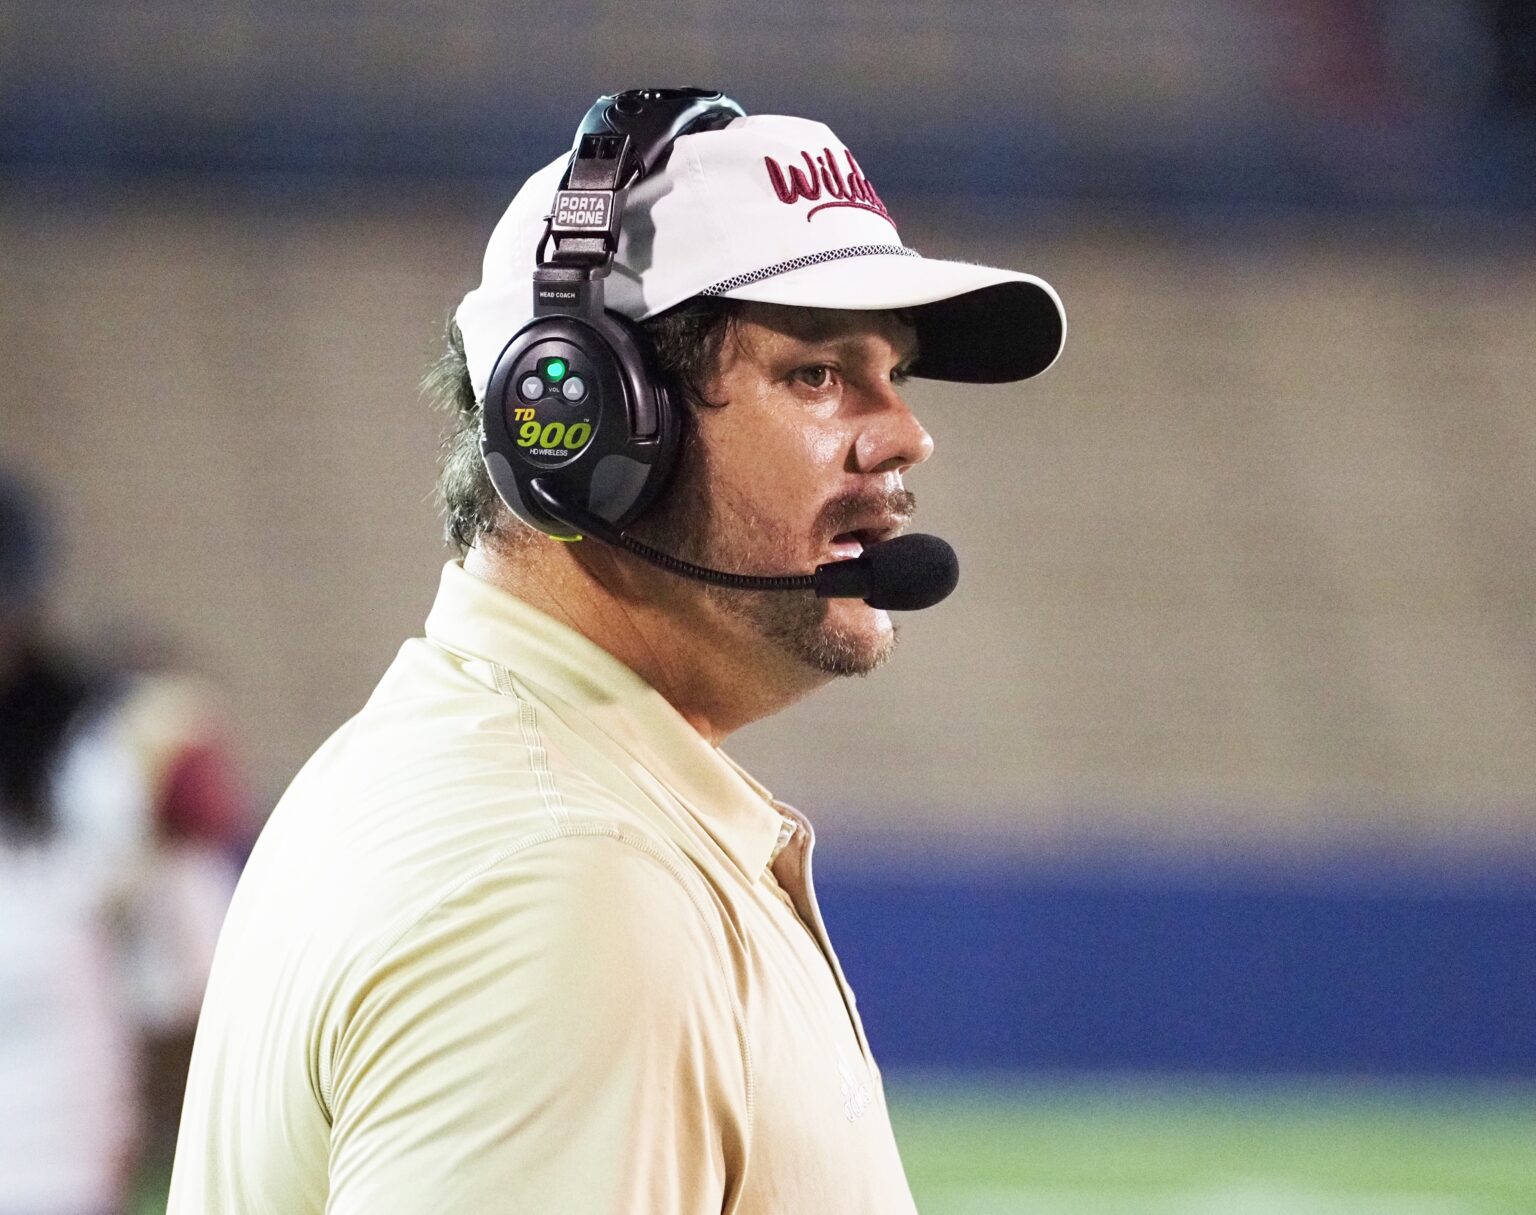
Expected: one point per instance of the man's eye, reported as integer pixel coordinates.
(818, 375)
(901, 375)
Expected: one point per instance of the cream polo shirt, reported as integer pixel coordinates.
(519, 939)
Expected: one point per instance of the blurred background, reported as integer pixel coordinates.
(1184, 860)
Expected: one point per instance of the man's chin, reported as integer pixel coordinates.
(850, 639)
(829, 636)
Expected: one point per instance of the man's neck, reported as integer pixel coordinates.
(710, 666)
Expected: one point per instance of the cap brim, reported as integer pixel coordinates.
(975, 324)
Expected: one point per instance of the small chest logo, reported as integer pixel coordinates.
(823, 178)
(856, 1096)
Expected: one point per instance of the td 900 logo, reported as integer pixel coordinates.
(552, 440)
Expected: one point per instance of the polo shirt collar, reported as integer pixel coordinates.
(476, 620)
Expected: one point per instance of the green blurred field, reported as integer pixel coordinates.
(1157, 1147)
(1139, 1147)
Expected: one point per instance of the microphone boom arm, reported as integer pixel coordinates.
(590, 524)
(902, 574)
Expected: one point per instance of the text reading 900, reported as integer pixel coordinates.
(554, 434)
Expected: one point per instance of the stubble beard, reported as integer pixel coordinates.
(691, 522)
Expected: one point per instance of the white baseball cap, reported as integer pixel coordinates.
(776, 210)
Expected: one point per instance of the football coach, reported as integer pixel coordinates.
(520, 937)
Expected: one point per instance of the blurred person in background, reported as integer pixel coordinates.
(118, 809)
(520, 936)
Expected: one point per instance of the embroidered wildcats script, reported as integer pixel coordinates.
(823, 177)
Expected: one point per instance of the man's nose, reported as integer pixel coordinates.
(892, 439)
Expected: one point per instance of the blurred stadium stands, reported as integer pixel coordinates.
(1169, 102)
(1229, 737)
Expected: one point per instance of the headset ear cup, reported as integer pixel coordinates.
(574, 402)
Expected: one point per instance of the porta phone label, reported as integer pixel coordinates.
(583, 210)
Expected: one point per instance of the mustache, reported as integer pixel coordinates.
(847, 511)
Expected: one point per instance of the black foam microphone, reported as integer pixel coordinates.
(899, 575)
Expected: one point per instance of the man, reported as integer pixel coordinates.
(520, 936)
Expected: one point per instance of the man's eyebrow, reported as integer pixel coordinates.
(827, 327)
(906, 350)
(854, 341)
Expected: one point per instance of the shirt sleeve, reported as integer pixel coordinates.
(557, 1035)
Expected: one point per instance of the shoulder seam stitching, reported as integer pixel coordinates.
(528, 723)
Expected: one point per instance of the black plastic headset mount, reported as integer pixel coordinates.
(623, 138)
(623, 411)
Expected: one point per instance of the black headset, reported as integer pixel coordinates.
(580, 431)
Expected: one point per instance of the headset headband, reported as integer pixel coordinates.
(577, 422)
(623, 137)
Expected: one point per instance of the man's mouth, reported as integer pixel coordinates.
(845, 546)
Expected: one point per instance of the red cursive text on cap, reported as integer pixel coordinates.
(823, 175)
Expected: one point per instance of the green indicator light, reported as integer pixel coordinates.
(555, 370)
